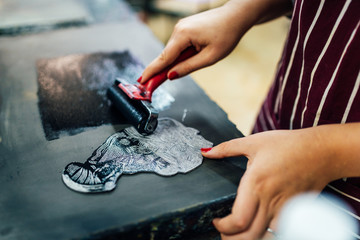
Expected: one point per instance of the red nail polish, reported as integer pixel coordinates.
(139, 80)
(205, 149)
(173, 75)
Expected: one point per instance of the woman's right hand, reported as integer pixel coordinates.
(213, 33)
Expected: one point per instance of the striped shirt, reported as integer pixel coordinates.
(318, 77)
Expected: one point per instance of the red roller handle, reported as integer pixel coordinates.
(161, 77)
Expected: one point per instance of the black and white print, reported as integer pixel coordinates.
(172, 148)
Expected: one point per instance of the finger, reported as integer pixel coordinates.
(258, 227)
(268, 235)
(167, 56)
(271, 232)
(243, 212)
(235, 147)
(273, 223)
(260, 224)
(202, 59)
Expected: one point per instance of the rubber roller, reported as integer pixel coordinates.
(134, 100)
(139, 113)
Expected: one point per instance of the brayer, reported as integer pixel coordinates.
(134, 100)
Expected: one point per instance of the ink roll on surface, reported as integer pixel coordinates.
(133, 110)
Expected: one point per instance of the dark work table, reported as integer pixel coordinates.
(34, 202)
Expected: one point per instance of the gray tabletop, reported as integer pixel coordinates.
(34, 202)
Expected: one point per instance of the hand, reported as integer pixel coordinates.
(213, 33)
(281, 164)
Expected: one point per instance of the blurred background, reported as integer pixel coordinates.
(238, 84)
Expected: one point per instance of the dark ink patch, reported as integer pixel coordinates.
(172, 148)
(72, 90)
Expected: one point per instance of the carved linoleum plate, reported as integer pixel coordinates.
(171, 149)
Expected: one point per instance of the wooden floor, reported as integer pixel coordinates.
(238, 83)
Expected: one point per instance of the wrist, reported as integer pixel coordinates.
(337, 146)
(259, 11)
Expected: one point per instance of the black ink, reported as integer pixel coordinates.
(72, 90)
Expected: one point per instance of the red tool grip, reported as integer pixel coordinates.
(161, 77)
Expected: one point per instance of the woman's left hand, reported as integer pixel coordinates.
(281, 164)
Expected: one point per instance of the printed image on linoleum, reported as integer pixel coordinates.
(172, 148)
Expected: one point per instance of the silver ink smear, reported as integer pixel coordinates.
(184, 115)
(161, 99)
(171, 149)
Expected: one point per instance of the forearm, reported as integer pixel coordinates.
(252, 12)
(339, 144)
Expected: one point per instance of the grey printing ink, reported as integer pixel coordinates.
(172, 148)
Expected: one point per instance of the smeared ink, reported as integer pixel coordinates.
(184, 115)
(72, 91)
(172, 148)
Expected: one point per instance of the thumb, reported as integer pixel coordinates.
(232, 148)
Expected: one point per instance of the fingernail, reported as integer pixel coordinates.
(173, 75)
(205, 150)
(139, 80)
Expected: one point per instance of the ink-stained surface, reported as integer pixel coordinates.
(72, 91)
(34, 202)
(172, 148)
